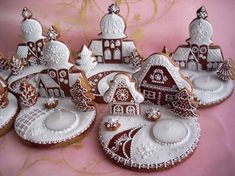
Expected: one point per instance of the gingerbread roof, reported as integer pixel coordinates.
(162, 60)
(124, 78)
(182, 53)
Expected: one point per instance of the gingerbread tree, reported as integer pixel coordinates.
(81, 96)
(4, 65)
(28, 94)
(135, 60)
(184, 105)
(3, 97)
(226, 71)
(16, 66)
(85, 60)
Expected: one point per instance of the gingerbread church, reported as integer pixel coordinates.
(31, 50)
(200, 53)
(122, 96)
(159, 79)
(112, 48)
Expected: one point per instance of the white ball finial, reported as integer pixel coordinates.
(26, 13)
(113, 8)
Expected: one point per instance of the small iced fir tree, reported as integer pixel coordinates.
(82, 97)
(135, 60)
(226, 71)
(4, 65)
(86, 61)
(3, 97)
(28, 94)
(184, 105)
(16, 66)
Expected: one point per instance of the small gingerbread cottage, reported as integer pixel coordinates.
(159, 79)
(200, 53)
(112, 48)
(57, 83)
(123, 97)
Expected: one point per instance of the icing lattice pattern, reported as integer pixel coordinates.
(23, 123)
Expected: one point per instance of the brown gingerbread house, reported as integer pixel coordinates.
(123, 97)
(112, 48)
(159, 79)
(57, 83)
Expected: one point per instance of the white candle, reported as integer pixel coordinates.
(206, 83)
(60, 120)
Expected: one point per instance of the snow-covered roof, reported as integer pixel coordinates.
(73, 78)
(181, 54)
(48, 81)
(124, 78)
(215, 55)
(96, 47)
(112, 26)
(127, 48)
(22, 51)
(162, 60)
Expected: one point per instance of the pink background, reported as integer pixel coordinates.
(152, 24)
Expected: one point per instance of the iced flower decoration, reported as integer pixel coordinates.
(122, 94)
(112, 124)
(153, 114)
(26, 13)
(113, 8)
(52, 33)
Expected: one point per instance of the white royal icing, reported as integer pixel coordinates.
(145, 151)
(41, 126)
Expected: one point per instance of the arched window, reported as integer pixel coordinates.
(117, 54)
(107, 54)
(118, 109)
(56, 92)
(51, 92)
(192, 65)
(112, 44)
(209, 65)
(215, 65)
(117, 43)
(106, 43)
(130, 110)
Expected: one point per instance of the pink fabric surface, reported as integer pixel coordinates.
(152, 24)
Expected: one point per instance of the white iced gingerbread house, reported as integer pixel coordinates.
(123, 97)
(159, 79)
(200, 53)
(112, 48)
(31, 50)
(58, 78)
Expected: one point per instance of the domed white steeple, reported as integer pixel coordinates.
(112, 25)
(31, 28)
(55, 52)
(200, 30)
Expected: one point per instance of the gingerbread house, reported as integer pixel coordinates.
(159, 79)
(200, 53)
(123, 97)
(112, 48)
(31, 50)
(57, 83)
